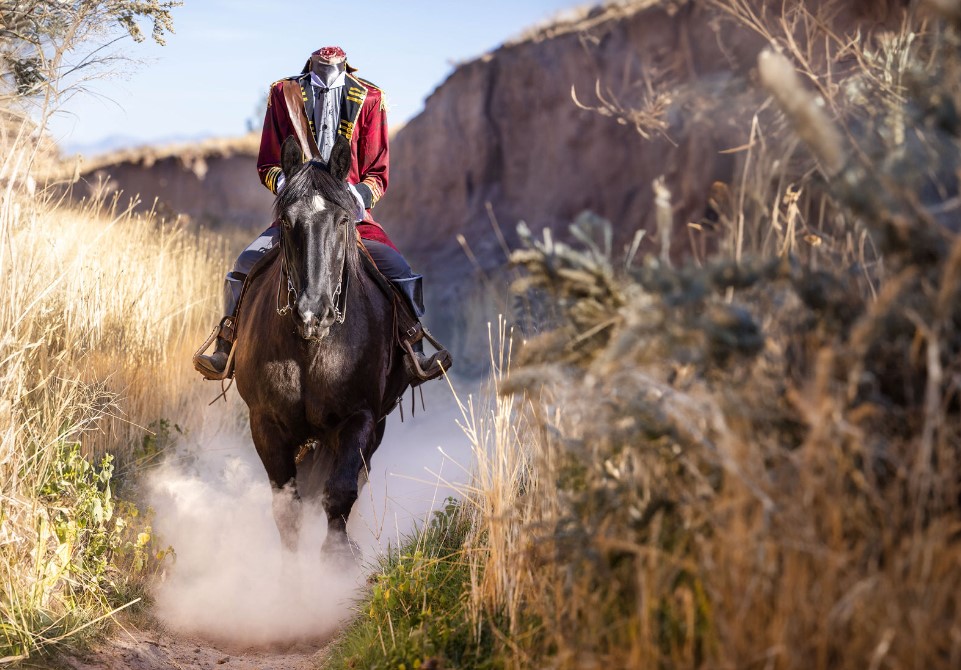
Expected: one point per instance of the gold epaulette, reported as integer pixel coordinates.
(375, 87)
(271, 89)
(369, 84)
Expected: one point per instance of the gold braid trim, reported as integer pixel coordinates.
(356, 93)
(310, 121)
(273, 174)
(375, 192)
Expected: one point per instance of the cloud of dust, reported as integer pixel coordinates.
(230, 581)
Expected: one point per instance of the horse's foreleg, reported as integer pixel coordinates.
(276, 448)
(288, 513)
(374, 443)
(340, 490)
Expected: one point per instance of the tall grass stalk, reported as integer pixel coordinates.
(502, 474)
(99, 312)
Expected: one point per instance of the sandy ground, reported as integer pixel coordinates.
(152, 650)
(231, 599)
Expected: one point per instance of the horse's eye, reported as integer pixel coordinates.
(285, 222)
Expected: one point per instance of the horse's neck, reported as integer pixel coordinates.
(361, 285)
(372, 285)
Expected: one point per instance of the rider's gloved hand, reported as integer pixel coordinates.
(361, 207)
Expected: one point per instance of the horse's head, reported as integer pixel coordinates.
(317, 212)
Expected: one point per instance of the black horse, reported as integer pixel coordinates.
(316, 361)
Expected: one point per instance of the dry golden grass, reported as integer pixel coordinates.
(502, 466)
(115, 299)
(101, 310)
(645, 504)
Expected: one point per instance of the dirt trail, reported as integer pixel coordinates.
(230, 599)
(153, 650)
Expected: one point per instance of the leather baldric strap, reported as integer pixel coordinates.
(293, 96)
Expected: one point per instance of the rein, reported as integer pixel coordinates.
(340, 293)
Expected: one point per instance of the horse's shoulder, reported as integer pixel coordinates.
(262, 268)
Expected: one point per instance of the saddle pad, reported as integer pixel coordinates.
(262, 264)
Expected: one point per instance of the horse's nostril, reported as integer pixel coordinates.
(328, 318)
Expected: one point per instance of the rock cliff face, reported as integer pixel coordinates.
(505, 131)
(503, 139)
(214, 183)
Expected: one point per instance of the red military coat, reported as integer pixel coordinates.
(363, 121)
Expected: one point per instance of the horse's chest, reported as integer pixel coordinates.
(325, 373)
(276, 380)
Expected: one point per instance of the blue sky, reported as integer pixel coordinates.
(211, 76)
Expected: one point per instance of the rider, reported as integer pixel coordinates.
(333, 102)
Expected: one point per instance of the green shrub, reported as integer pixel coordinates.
(92, 554)
(415, 614)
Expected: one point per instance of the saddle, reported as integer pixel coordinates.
(407, 329)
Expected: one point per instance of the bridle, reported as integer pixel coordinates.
(339, 299)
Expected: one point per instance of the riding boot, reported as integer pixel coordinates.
(428, 367)
(420, 367)
(214, 366)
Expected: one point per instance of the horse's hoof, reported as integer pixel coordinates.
(341, 550)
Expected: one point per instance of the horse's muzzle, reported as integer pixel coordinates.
(316, 327)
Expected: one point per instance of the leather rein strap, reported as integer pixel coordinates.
(293, 96)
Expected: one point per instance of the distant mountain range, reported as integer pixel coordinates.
(113, 143)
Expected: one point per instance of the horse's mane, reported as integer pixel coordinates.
(314, 179)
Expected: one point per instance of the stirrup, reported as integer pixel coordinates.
(225, 330)
(442, 361)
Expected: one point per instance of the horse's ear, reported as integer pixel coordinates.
(291, 157)
(340, 159)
